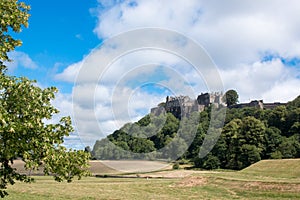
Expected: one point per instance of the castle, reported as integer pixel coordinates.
(258, 104)
(183, 106)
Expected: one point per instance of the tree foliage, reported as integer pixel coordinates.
(231, 97)
(249, 135)
(25, 133)
(25, 113)
(144, 136)
(13, 15)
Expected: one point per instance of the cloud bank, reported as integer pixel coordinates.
(251, 42)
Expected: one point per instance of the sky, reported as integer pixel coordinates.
(113, 60)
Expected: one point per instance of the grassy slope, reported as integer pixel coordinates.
(287, 168)
(276, 179)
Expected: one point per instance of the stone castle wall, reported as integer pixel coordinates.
(183, 106)
(258, 104)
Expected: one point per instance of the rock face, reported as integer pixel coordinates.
(183, 106)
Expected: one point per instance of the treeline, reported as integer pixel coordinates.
(248, 135)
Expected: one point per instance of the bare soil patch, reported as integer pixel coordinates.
(172, 174)
(283, 187)
(135, 166)
(19, 165)
(192, 181)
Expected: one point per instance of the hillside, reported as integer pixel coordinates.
(246, 136)
(285, 168)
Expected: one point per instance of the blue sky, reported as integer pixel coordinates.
(255, 46)
(60, 33)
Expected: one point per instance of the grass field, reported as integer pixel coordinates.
(274, 179)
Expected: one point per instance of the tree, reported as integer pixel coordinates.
(253, 132)
(13, 15)
(142, 145)
(231, 134)
(273, 139)
(250, 154)
(231, 97)
(209, 162)
(245, 141)
(25, 110)
(290, 147)
(25, 133)
(294, 104)
(277, 118)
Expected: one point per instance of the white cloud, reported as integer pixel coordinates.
(20, 59)
(63, 102)
(263, 80)
(283, 91)
(96, 117)
(232, 32)
(70, 73)
(237, 34)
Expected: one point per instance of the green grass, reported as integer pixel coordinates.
(124, 188)
(286, 168)
(260, 181)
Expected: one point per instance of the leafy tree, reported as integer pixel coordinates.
(25, 111)
(174, 149)
(24, 133)
(273, 139)
(294, 104)
(253, 131)
(145, 121)
(276, 155)
(167, 132)
(245, 141)
(293, 121)
(105, 149)
(295, 129)
(211, 162)
(142, 145)
(194, 148)
(277, 118)
(290, 147)
(231, 133)
(231, 97)
(250, 154)
(220, 150)
(13, 15)
(65, 165)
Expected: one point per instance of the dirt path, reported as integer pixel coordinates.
(174, 174)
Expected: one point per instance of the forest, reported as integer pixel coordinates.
(246, 136)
